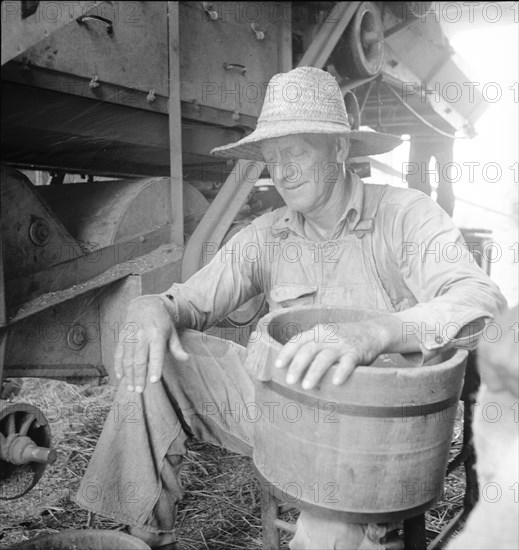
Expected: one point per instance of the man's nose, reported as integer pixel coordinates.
(276, 172)
(283, 172)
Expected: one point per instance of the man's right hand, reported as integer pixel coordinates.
(141, 356)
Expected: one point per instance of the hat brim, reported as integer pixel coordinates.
(362, 143)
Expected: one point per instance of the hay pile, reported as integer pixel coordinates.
(221, 507)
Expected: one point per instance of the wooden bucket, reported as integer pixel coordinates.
(372, 450)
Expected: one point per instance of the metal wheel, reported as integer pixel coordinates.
(25, 448)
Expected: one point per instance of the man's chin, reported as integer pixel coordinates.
(296, 203)
(296, 206)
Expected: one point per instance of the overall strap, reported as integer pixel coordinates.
(372, 197)
(386, 271)
(373, 194)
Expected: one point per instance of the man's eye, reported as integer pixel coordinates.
(297, 153)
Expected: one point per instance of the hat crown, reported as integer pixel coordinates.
(304, 94)
(305, 100)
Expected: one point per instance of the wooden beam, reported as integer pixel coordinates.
(165, 257)
(2, 292)
(285, 40)
(221, 213)
(122, 257)
(175, 126)
(328, 35)
(3, 315)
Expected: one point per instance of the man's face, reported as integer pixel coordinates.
(304, 168)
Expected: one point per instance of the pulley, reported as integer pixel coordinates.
(360, 51)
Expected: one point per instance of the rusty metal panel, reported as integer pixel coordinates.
(111, 220)
(33, 238)
(115, 261)
(207, 45)
(56, 130)
(67, 334)
(76, 338)
(162, 258)
(21, 30)
(134, 54)
(109, 212)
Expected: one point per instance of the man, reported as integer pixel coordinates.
(355, 245)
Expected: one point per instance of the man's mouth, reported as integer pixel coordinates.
(293, 187)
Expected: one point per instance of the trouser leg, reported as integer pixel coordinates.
(133, 474)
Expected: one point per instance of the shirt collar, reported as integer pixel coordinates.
(289, 220)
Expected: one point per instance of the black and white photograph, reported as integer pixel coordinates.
(259, 275)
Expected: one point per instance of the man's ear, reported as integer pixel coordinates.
(342, 144)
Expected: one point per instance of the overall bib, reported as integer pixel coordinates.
(340, 272)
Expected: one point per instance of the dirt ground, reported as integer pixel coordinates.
(221, 507)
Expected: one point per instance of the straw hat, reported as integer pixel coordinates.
(305, 100)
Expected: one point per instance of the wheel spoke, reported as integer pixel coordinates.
(26, 424)
(11, 426)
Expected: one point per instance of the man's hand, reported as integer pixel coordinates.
(141, 355)
(309, 355)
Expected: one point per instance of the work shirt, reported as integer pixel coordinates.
(393, 249)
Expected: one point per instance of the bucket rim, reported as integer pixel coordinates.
(457, 355)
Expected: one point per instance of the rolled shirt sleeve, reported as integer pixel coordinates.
(456, 297)
(418, 243)
(230, 278)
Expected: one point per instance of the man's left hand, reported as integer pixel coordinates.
(310, 354)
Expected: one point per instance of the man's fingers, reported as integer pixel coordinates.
(118, 360)
(289, 350)
(319, 367)
(175, 347)
(303, 354)
(157, 352)
(346, 366)
(140, 366)
(128, 365)
(301, 361)
(136, 358)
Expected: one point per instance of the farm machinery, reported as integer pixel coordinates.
(108, 191)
